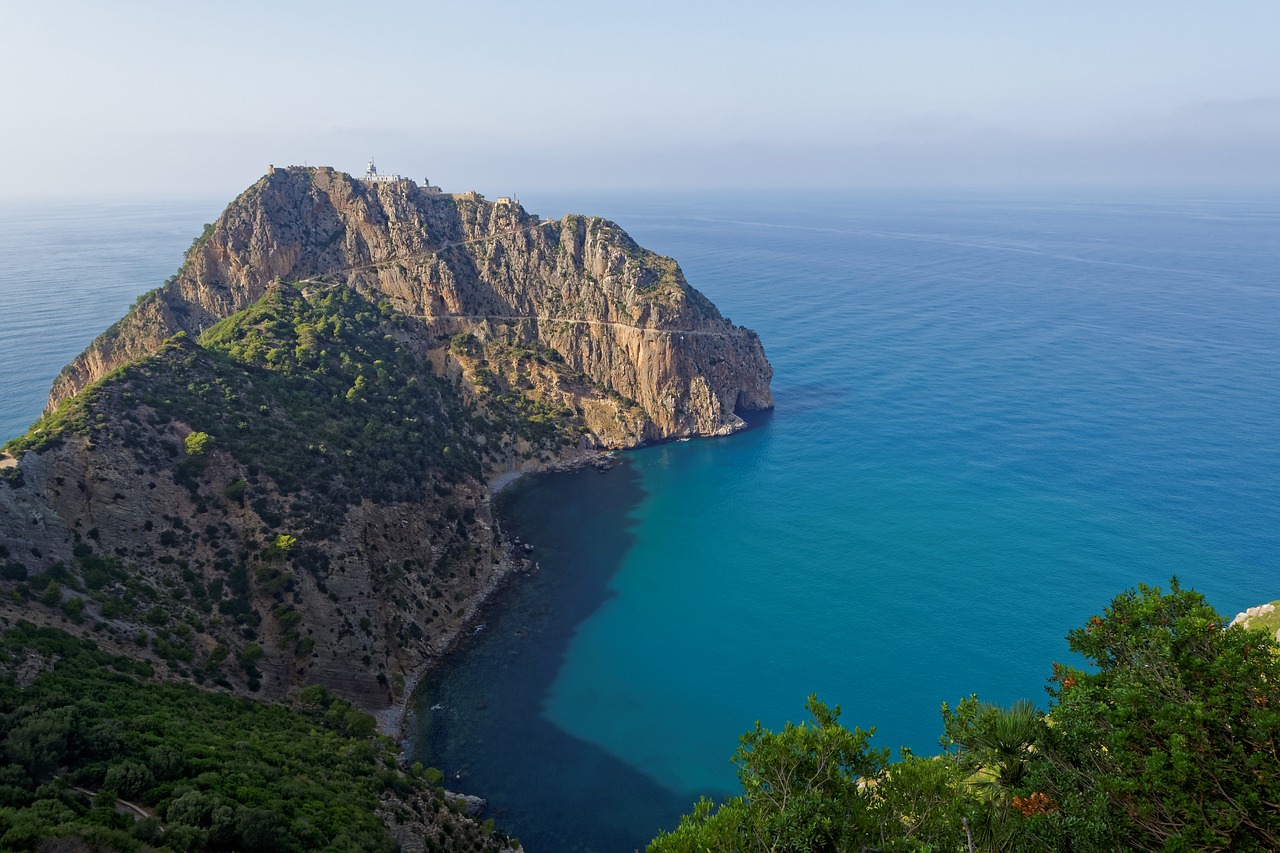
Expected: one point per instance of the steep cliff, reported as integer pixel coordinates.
(272, 472)
(653, 357)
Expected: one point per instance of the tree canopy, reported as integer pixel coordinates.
(1167, 742)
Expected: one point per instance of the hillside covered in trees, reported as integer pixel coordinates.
(99, 755)
(1167, 741)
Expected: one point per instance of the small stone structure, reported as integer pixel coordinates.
(371, 175)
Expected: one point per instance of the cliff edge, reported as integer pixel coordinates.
(654, 357)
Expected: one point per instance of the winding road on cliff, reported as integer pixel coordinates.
(510, 318)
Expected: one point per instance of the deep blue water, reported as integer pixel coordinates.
(993, 414)
(68, 270)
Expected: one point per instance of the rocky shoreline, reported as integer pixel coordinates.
(279, 469)
(392, 720)
(1264, 617)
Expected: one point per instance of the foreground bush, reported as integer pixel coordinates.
(1170, 742)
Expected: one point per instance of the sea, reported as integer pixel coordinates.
(995, 411)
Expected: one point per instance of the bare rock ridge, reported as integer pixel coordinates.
(272, 472)
(621, 316)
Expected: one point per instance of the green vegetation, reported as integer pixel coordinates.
(1170, 743)
(211, 772)
(504, 369)
(74, 416)
(296, 409)
(172, 617)
(657, 272)
(319, 393)
(198, 443)
(349, 401)
(1174, 742)
(818, 786)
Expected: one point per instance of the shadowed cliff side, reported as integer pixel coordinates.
(296, 498)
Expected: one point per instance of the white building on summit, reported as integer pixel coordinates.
(371, 175)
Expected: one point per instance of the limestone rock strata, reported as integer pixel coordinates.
(622, 318)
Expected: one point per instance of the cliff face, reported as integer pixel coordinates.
(272, 472)
(620, 318)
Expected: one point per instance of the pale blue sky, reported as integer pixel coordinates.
(101, 98)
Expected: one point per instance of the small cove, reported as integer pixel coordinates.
(484, 722)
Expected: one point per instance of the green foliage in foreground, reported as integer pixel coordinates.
(215, 772)
(817, 786)
(1170, 743)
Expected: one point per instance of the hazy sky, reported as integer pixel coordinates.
(100, 98)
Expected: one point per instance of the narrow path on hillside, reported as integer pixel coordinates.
(606, 323)
(501, 317)
(121, 806)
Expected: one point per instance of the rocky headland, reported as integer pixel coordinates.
(274, 471)
(274, 474)
(652, 357)
(1263, 617)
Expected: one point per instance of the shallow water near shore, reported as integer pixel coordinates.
(484, 712)
(992, 416)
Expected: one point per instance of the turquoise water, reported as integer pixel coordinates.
(992, 415)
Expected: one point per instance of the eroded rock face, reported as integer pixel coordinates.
(622, 317)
